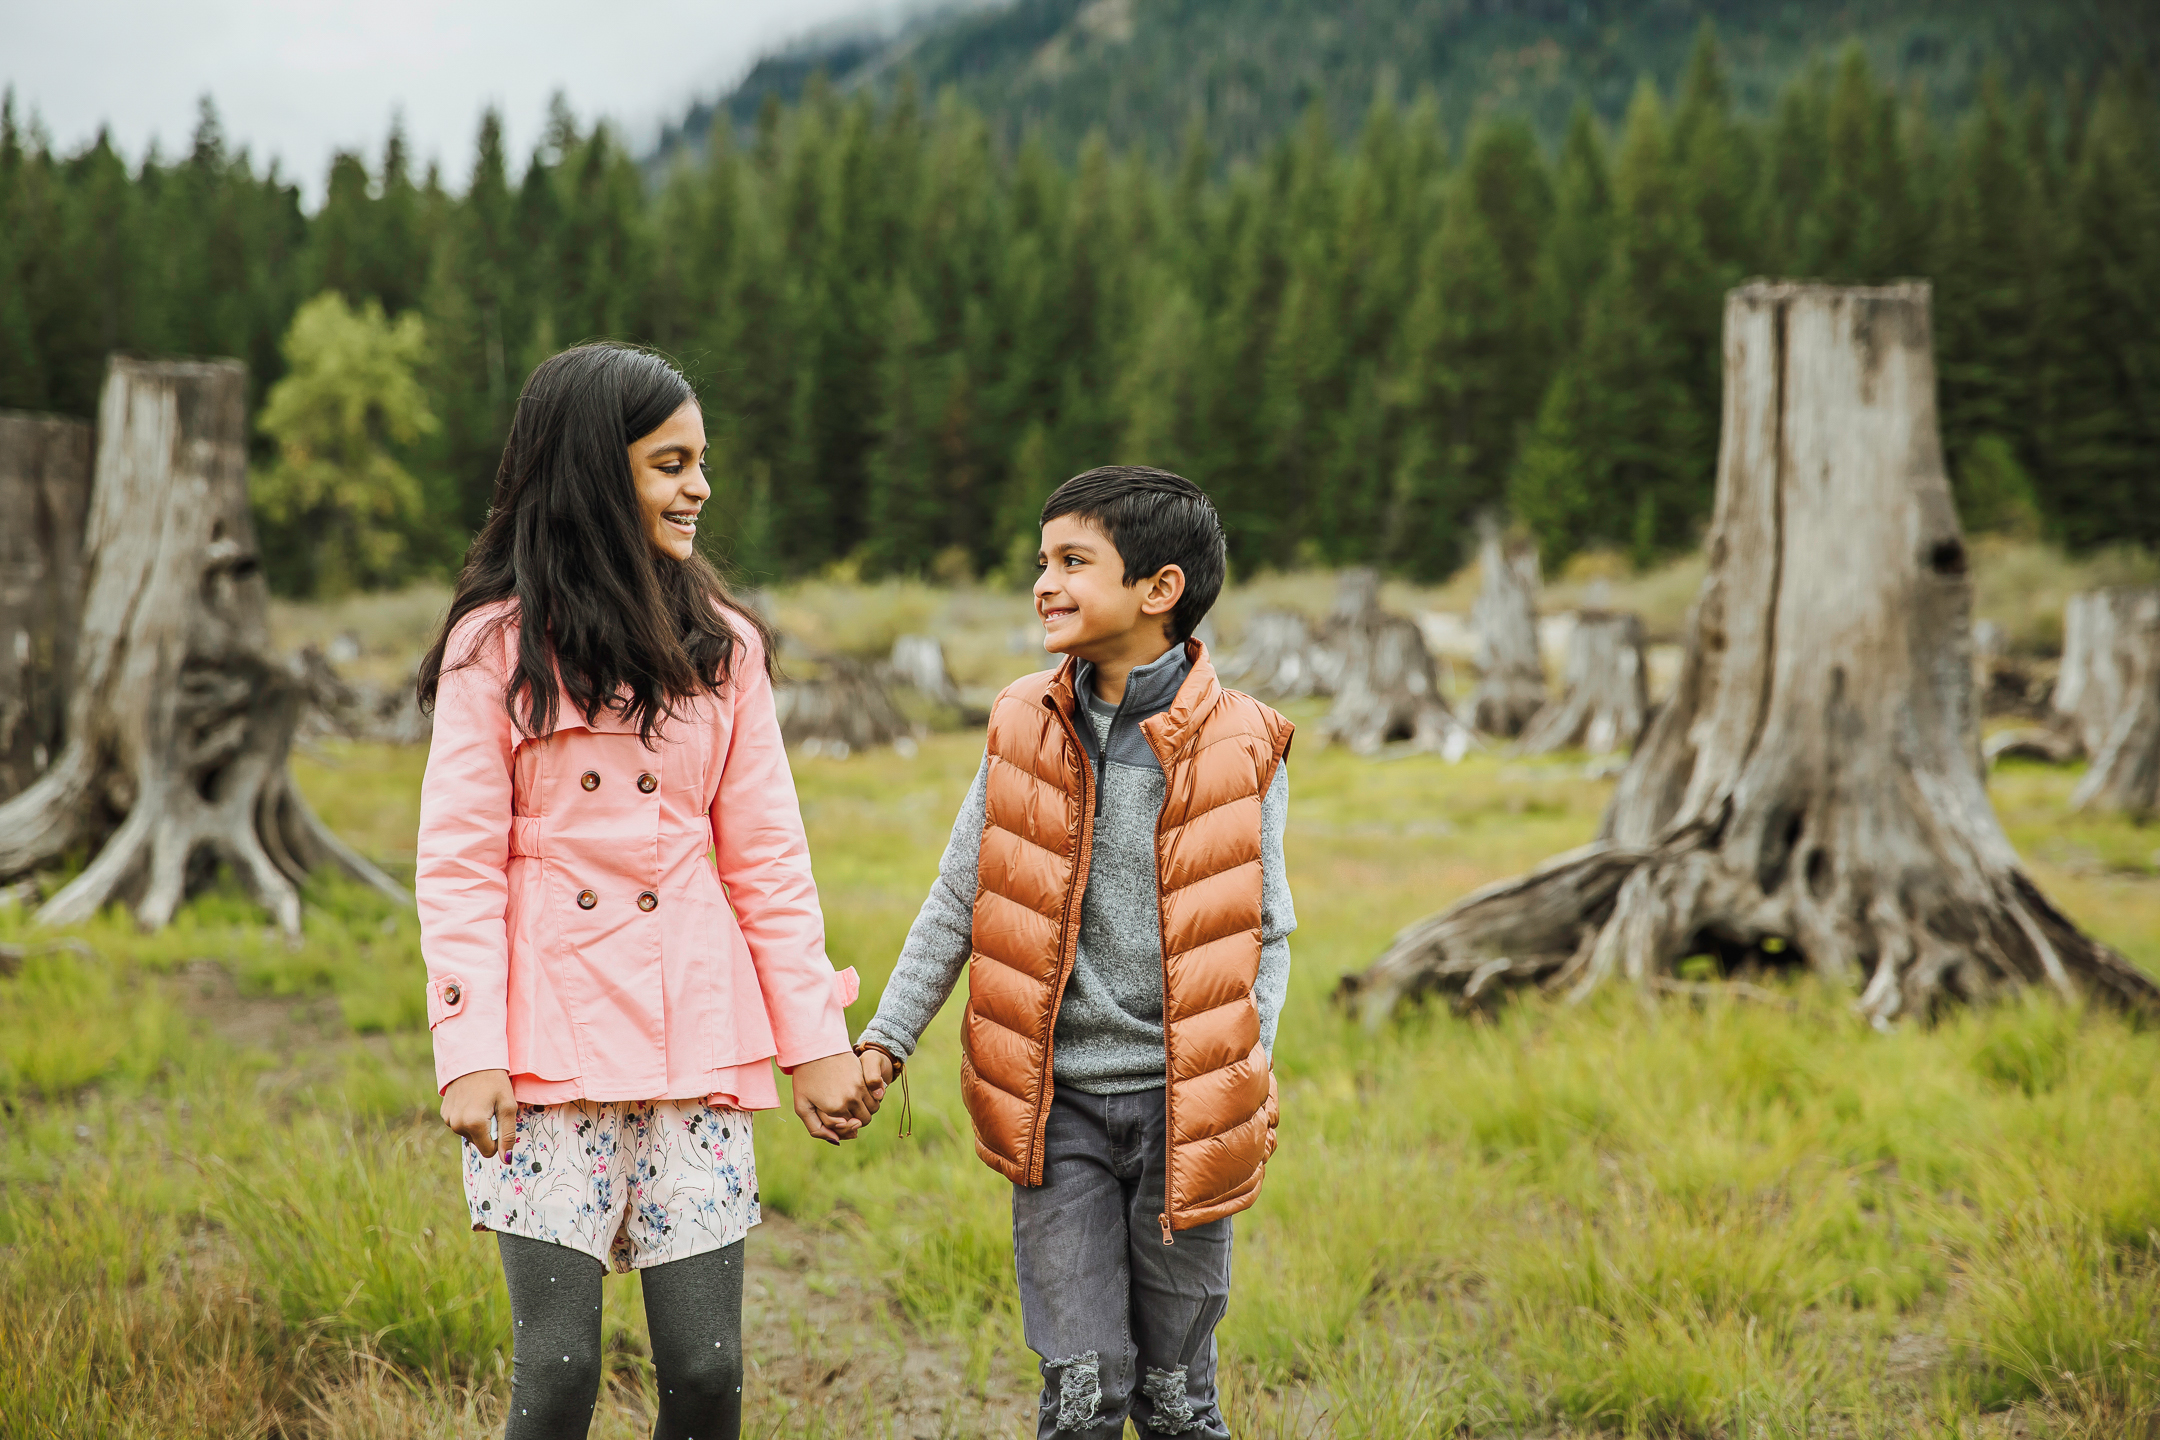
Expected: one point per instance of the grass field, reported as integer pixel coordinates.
(225, 1208)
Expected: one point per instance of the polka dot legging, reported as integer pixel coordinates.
(693, 1307)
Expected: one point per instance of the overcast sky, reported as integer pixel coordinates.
(300, 79)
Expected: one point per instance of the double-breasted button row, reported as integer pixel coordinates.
(647, 782)
(586, 899)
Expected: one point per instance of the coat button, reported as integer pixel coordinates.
(647, 784)
(586, 899)
(451, 995)
(648, 901)
(590, 779)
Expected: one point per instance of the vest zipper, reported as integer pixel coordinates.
(1162, 949)
(1057, 999)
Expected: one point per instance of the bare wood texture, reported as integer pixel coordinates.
(1389, 685)
(842, 708)
(1278, 661)
(334, 705)
(178, 719)
(1606, 689)
(2109, 693)
(44, 504)
(1811, 793)
(1511, 672)
(919, 661)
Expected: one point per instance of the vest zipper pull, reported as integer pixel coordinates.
(1166, 1229)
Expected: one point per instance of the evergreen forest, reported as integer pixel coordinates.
(906, 330)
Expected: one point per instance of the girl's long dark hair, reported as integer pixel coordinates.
(627, 628)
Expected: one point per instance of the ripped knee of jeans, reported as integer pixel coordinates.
(1079, 1391)
(1173, 1404)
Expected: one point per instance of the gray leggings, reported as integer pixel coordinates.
(693, 1307)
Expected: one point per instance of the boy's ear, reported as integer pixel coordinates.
(1163, 590)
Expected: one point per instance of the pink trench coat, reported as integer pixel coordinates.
(571, 904)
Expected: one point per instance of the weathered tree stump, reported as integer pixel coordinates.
(919, 661)
(2031, 742)
(44, 501)
(1511, 672)
(2109, 695)
(1606, 689)
(178, 719)
(357, 711)
(1275, 661)
(1810, 795)
(1389, 685)
(842, 708)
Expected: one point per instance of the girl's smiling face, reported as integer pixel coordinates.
(669, 468)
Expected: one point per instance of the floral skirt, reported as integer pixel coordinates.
(632, 1183)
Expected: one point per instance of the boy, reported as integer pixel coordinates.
(1115, 886)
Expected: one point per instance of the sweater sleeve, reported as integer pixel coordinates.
(764, 860)
(939, 941)
(461, 878)
(1277, 917)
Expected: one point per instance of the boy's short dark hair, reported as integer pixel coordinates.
(1155, 519)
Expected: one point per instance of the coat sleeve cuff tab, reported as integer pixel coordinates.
(445, 998)
(846, 986)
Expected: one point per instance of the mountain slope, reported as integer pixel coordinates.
(1143, 71)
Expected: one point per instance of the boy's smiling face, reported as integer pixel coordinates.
(1088, 610)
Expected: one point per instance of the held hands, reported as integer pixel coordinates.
(877, 1075)
(471, 1101)
(831, 1099)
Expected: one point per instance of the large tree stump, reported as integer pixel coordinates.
(1606, 694)
(178, 719)
(842, 708)
(44, 499)
(919, 661)
(1511, 672)
(1810, 795)
(2109, 695)
(1388, 686)
(1277, 659)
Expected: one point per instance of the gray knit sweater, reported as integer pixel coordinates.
(1109, 1038)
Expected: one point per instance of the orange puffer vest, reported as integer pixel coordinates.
(1219, 751)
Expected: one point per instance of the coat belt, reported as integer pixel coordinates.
(525, 836)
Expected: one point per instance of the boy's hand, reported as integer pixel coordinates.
(470, 1101)
(877, 1074)
(830, 1099)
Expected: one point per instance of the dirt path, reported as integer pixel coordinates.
(820, 1341)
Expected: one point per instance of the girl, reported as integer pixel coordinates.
(606, 759)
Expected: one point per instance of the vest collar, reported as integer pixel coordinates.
(1169, 729)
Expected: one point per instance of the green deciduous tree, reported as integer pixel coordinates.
(337, 506)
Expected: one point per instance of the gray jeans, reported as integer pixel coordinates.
(1116, 1315)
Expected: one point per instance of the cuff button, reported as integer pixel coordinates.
(586, 899)
(451, 994)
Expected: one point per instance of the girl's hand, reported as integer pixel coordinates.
(877, 1074)
(830, 1099)
(470, 1101)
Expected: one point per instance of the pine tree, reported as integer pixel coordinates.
(2100, 467)
(1477, 360)
(1626, 411)
(1986, 293)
